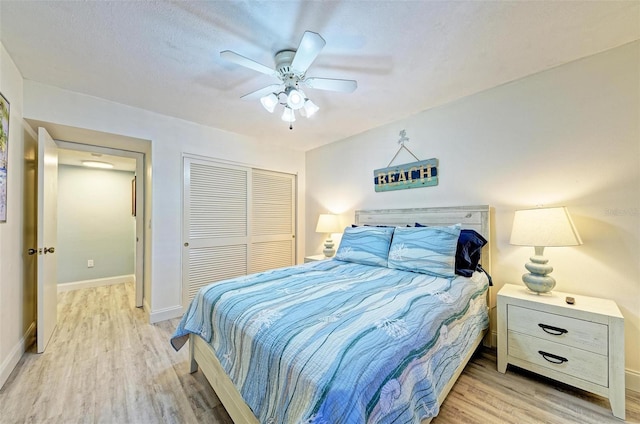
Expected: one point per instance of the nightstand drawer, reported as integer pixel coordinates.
(560, 358)
(577, 333)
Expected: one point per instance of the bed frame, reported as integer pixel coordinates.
(471, 217)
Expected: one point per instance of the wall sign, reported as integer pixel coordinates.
(423, 173)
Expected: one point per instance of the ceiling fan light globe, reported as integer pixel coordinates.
(295, 99)
(310, 108)
(269, 102)
(288, 115)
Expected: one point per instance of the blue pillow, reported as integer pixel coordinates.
(468, 251)
(365, 245)
(427, 250)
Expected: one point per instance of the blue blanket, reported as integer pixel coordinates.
(337, 342)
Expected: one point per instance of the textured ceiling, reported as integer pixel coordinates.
(406, 56)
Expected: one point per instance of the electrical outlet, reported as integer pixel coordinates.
(90, 263)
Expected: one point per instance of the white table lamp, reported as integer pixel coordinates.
(540, 228)
(328, 223)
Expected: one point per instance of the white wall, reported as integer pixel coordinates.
(94, 222)
(16, 308)
(170, 138)
(568, 136)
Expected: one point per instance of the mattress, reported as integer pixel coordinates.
(339, 342)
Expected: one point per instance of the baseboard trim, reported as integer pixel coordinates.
(165, 314)
(632, 380)
(98, 282)
(8, 365)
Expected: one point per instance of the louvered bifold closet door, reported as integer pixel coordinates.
(272, 220)
(216, 224)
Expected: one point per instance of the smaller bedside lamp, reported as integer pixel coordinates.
(328, 223)
(540, 228)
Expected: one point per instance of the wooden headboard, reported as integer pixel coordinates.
(470, 217)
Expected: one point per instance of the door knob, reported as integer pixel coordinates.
(49, 250)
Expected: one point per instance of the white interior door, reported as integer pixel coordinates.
(47, 235)
(273, 196)
(216, 227)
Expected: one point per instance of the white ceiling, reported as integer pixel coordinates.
(407, 56)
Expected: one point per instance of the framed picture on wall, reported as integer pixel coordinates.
(4, 155)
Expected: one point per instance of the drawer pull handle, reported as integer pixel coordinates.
(555, 359)
(554, 331)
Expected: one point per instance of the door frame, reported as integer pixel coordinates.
(139, 188)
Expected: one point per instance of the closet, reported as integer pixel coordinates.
(237, 220)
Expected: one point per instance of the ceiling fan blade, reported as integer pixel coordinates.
(246, 62)
(309, 48)
(274, 88)
(345, 86)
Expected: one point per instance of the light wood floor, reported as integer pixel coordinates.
(106, 364)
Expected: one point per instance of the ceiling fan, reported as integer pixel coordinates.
(290, 69)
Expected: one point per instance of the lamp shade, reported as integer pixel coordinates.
(295, 98)
(310, 108)
(269, 102)
(328, 223)
(288, 115)
(544, 227)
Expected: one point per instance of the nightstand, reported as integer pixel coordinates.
(580, 344)
(314, 258)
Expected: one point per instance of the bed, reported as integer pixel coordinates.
(358, 338)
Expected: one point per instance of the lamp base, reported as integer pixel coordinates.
(538, 280)
(539, 283)
(329, 251)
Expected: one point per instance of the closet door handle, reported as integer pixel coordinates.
(555, 359)
(554, 331)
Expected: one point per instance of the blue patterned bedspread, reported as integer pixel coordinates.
(337, 342)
